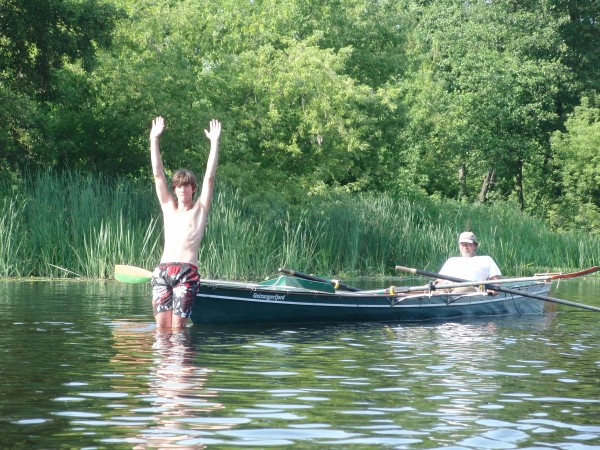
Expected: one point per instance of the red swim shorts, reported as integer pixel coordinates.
(174, 287)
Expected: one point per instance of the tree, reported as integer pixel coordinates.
(293, 113)
(20, 123)
(580, 29)
(484, 84)
(576, 153)
(39, 36)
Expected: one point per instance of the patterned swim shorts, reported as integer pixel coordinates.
(174, 286)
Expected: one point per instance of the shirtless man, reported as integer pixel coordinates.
(175, 280)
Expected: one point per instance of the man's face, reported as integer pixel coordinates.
(466, 249)
(184, 193)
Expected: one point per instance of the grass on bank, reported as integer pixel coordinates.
(79, 225)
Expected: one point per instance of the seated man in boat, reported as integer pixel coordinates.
(470, 266)
(175, 280)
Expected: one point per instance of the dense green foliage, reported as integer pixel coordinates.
(578, 157)
(71, 224)
(480, 101)
(47, 53)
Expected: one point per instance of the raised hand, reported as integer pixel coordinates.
(158, 126)
(215, 130)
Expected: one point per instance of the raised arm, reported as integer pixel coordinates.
(160, 181)
(214, 134)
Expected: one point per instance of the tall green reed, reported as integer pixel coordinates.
(242, 244)
(521, 244)
(77, 224)
(117, 241)
(10, 243)
(72, 224)
(236, 244)
(299, 240)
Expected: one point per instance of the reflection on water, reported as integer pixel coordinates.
(82, 365)
(169, 384)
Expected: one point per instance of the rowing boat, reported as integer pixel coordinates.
(297, 297)
(288, 299)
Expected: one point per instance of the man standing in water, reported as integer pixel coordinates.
(175, 280)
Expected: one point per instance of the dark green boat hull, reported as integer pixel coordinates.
(227, 302)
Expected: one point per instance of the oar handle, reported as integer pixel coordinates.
(406, 269)
(429, 274)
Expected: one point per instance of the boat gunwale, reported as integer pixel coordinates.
(327, 300)
(400, 297)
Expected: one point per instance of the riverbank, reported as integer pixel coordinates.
(80, 225)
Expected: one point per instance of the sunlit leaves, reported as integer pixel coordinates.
(577, 155)
(496, 73)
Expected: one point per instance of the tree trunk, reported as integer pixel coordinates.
(519, 182)
(462, 182)
(487, 185)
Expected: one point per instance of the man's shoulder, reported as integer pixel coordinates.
(169, 202)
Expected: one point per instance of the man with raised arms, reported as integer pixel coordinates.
(175, 280)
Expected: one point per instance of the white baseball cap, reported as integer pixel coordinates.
(467, 237)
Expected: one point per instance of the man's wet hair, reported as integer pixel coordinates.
(184, 177)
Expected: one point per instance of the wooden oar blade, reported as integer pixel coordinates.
(132, 274)
(575, 274)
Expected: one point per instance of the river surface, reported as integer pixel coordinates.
(82, 366)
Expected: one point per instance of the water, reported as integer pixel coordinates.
(82, 366)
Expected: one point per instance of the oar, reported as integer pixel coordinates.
(335, 283)
(504, 289)
(546, 277)
(132, 274)
(393, 290)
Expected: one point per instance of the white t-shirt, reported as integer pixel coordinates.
(474, 268)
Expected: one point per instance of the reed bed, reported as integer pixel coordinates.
(75, 225)
(80, 225)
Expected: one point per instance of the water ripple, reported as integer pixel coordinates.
(107, 378)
